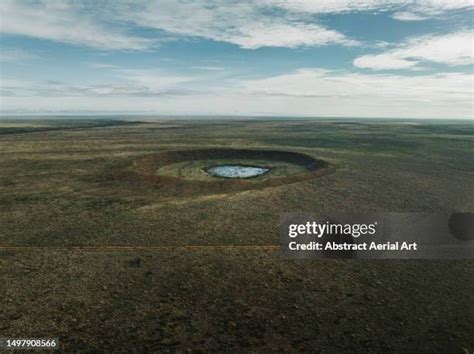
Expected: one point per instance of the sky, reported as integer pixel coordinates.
(332, 58)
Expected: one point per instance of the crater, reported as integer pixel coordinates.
(209, 171)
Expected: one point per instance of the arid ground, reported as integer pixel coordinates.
(110, 242)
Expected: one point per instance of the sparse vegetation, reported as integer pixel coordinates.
(108, 257)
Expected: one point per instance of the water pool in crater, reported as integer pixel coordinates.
(236, 171)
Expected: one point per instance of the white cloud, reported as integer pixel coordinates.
(127, 82)
(271, 34)
(333, 6)
(427, 9)
(408, 16)
(343, 85)
(245, 24)
(248, 24)
(451, 49)
(155, 80)
(207, 68)
(406, 10)
(311, 92)
(103, 66)
(383, 62)
(437, 7)
(16, 55)
(423, 10)
(66, 22)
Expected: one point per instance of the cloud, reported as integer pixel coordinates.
(246, 24)
(383, 62)
(207, 68)
(67, 22)
(219, 90)
(408, 16)
(405, 10)
(150, 82)
(324, 83)
(60, 89)
(274, 34)
(310, 92)
(103, 66)
(16, 55)
(435, 8)
(424, 10)
(328, 7)
(451, 49)
(128, 82)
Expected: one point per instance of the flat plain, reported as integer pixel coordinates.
(105, 257)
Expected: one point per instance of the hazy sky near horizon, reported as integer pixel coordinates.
(259, 57)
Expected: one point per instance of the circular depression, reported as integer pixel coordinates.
(186, 172)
